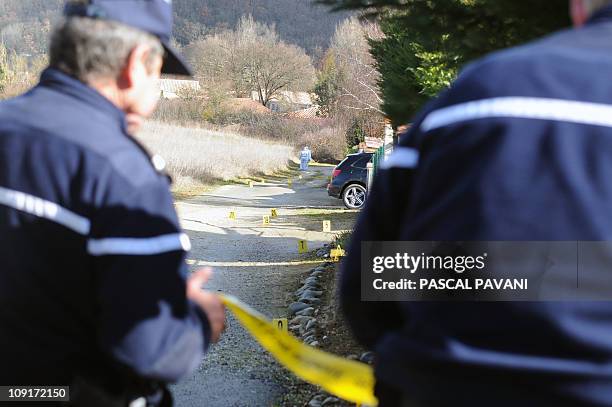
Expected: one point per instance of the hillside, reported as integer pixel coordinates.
(24, 24)
(297, 21)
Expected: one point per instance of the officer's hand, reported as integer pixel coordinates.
(208, 301)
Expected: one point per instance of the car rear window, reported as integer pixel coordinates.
(363, 161)
(359, 161)
(343, 162)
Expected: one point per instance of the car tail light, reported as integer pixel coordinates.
(336, 173)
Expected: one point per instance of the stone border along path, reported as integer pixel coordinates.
(259, 265)
(306, 326)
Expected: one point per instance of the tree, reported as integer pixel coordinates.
(252, 58)
(328, 85)
(4, 69)
(347, 89)
(426, 42)
(409, 75)
(358, 82)
(299, 22)
(358, 100)
(186, 31)
(356, 133)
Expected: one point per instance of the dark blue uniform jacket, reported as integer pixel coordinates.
(520, 148)
(92, 258)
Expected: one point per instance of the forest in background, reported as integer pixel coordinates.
(385, 64)
(25, 24)
(236, 47)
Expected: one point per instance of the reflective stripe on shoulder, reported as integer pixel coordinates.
(596, 114)
(402, 157)
(128, 246)
(44, 209)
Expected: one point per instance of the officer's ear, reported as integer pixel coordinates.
(579, 12)
(136, 68)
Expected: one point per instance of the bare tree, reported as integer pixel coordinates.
(276, 67)
(252, 58)
(359, 80)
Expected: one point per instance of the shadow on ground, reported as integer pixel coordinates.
(237, 371)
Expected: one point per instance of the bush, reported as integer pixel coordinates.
(326, 138)
(327, 144)
(180, 111)
(277, 127)
(355, 134)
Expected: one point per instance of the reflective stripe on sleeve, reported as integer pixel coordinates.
(595, 114)
(128, 246)
(44, 209)
(402, 157)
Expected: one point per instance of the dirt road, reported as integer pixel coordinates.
(260, 265)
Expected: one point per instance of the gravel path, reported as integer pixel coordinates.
(256, 264)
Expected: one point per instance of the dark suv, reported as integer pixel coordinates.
(349, 180)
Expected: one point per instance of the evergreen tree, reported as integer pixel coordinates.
(327, 87)
(426, 42)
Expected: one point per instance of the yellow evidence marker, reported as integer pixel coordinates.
(289, 182)
(281, 323)
(302, 246)
(274, 213)
(266, 220)
(336, 253)
(327, 226)
(232, 215)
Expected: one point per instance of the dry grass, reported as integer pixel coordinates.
(198, 158)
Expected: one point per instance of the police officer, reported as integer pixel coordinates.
(520, 148)
(93, 284)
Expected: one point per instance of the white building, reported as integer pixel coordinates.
(171, 88)
(287, 101)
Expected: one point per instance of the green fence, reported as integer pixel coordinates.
(377, 159)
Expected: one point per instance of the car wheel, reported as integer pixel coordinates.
(354, 196)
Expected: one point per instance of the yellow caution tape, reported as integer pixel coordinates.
(348, 379)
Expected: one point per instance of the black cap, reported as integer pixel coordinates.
(152, 16)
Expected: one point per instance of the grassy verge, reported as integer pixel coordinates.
(199, 159)
(316, 164)
(316, 212)
(290, 171)
(195, 189)
(343, 239)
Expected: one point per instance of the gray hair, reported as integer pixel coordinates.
(90, 49)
